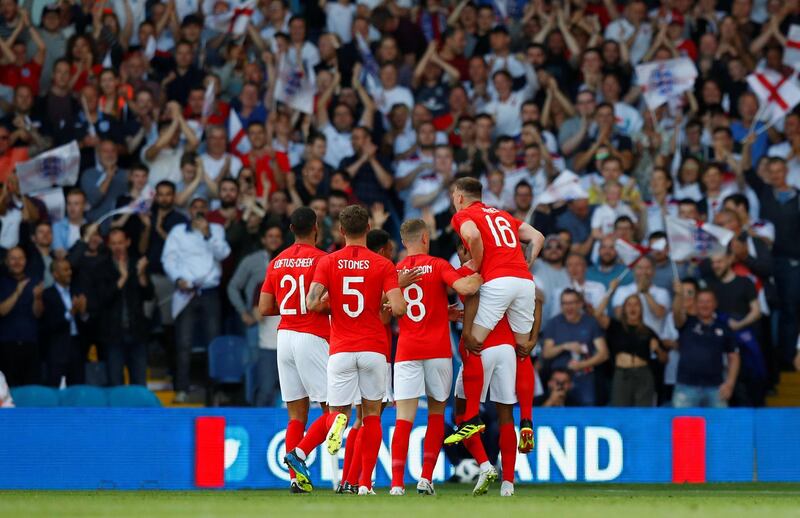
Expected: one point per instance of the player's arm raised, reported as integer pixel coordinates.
(472, 239)
(316, 300)
(528, 234)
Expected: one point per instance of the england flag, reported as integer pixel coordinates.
(57, 167)
(791, 53)
(295, 86)
(566, 187)
(776, 93)
(666, 79)
(690, 239)
(238, 142)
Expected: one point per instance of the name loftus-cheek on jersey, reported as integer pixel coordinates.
(352, 264)
(294, 262)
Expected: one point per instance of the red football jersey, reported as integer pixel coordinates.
(425, 328)
(502, 254)
(288, 278)
(356, 279)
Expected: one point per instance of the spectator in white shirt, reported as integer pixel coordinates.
(217, 162)
(163, 156)
(655, 301)
(592, 291)
(606, 215)
(633, 25)
(192, 258)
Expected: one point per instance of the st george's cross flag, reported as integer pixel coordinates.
(791, 53)
(691, 239)
(777, 94)
(237, 135)
(665, 79)
(233, 21)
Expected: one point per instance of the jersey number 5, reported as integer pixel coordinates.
(293, 285)
(348, 289)
(501, 229)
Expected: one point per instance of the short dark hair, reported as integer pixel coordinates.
(354, 219)
(570, 291)
(75, 190)
(336, 193)
(166, 183)
(230, 181)
(189, 158)
(377, 238)
(302, 221)
(624, 219)
(738, 199)
(470, 186)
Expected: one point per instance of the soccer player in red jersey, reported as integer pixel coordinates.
(302, 336)
(355, 280)
(493, 239)
(423, 362)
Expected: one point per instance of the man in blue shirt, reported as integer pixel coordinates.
(704, 339)
(574, 341)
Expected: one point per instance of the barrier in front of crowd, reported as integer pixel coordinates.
(93, 448)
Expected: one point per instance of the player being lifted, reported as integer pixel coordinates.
(423, 362)
(493, 238)
(354, 280)
(302, 336)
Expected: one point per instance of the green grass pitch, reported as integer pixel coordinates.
(562, 501)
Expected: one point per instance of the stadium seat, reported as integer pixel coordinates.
(228, 357)
(83, 396)
(132, 396)
(35, 396)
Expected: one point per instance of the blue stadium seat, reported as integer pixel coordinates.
(228, 357)
(132, 396)
(83, 396)
(35, 396)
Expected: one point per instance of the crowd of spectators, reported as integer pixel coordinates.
(409, 95)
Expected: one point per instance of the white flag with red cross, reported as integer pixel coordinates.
(791, 54)
(777, 94)
(237, 135)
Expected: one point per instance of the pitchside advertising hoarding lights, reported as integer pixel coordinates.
(95, 448)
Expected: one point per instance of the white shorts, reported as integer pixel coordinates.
(499, 375)
(417, 378)
(302, 366)
(389, 396)
(352, 374)
(510, 296)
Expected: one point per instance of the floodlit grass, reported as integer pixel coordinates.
(563, 501)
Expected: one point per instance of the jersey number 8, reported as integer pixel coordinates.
(416, 309)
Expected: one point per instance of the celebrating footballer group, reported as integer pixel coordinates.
(334, 340)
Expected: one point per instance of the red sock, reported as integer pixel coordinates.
(400, 451)
(355, 463)
(316, 433)
(370, 446)
(475, 448)
(508, 450)
(349, 448)
(434, 436)
(294, 432)
(526, 379)
(473, 384)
